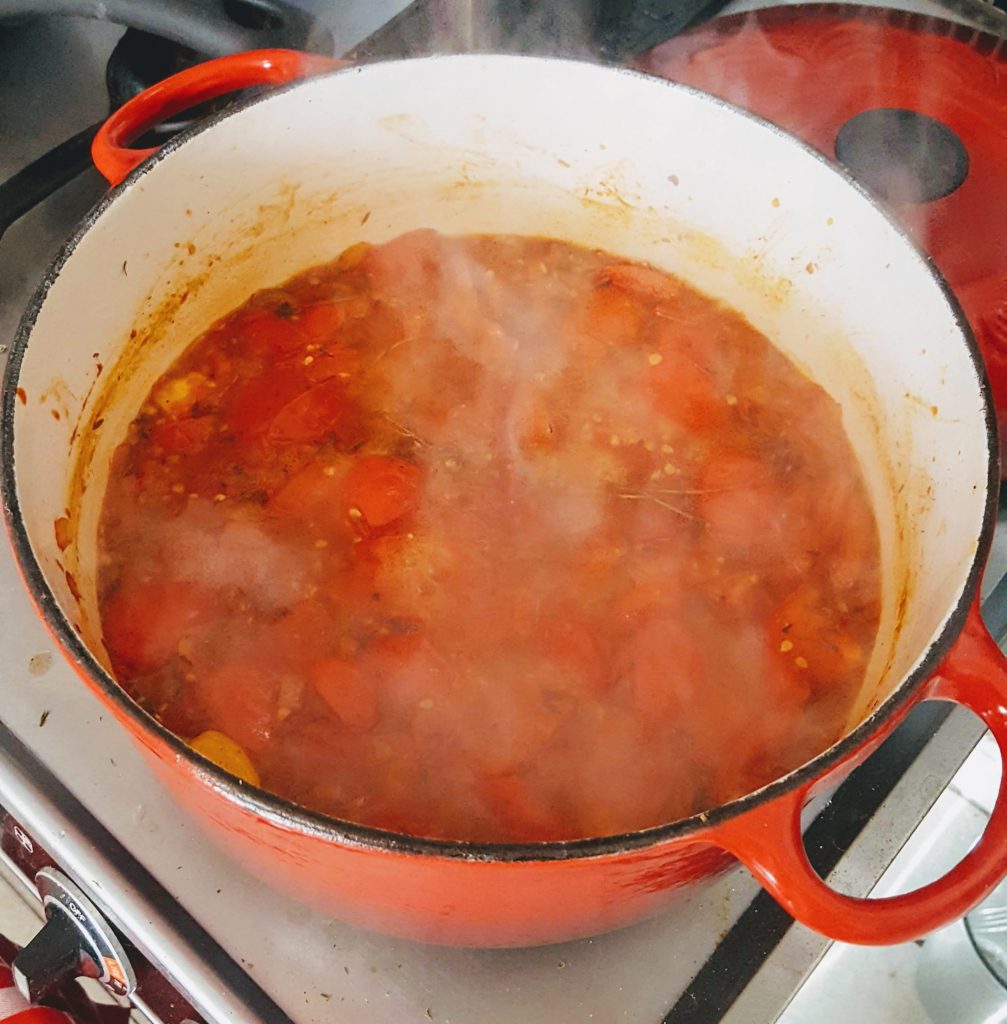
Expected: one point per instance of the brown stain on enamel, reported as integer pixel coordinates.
(64, 530)
(59, 396)
(22, 396)
(87, 397)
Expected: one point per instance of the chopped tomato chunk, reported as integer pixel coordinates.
(381, 489)
(144, 623)
(241, 699)
(611, 317)
(265, 334)
(252, 404)
(323, 410)
(177, 436)
(641, 280)
(349, 692)
(322, 321)
(683, 391)
(313, 494)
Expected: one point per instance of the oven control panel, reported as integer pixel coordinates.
(77, 941)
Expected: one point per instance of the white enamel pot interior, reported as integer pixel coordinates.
(602, 157)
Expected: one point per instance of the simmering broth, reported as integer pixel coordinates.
(491, 538)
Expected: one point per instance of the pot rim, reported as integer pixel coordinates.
(287, 815)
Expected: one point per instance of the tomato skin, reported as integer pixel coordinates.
(305, 630)
(240, 699)
(263, 334)
(743, 505)
(336, 361)
(180, 436)
(680, 389)
(667, 671)
(382, 489)
(640, 280)
(612, 317)
(322, 321)
(350, 692)
(312, 495)
(319, 412)
(142, 623)
(251, 405)
(522, 813)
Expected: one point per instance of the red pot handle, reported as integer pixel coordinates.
(767, 840)
(110, 149)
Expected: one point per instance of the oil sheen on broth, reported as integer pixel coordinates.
(490, 538)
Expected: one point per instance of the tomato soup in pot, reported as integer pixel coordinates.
(491, 538)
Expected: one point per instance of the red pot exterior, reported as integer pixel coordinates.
(441, 900)
(485, 900)
(447, 900)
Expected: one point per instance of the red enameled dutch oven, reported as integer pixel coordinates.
(604, 157)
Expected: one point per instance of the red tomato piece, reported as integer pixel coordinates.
(240, 699)
(611, 317)
(143, 623)
(264, 334)
(322, 321)
(252, 404)
(684, 392)
(382, 489)
(668, 675)
(743, 506)
(302, 632)
(641, 280)
(322, 411)
(523, 813)
(349, 691)
(332, 362)
(573, 642)
(179, 436)
(312, 495)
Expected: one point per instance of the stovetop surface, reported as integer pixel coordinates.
(244, 945)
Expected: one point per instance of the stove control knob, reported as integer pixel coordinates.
(75, 942)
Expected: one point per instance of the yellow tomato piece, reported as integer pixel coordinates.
(226, 754)
(353, 255)
(177, 396)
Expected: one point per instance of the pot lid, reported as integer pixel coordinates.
(915, 107)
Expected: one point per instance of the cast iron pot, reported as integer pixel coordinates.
(599, 156)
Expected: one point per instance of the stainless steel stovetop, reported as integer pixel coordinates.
(73, 784)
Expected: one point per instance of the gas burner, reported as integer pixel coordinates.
(142, 58)
(138, 61)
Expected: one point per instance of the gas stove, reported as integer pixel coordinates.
(178, 929)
